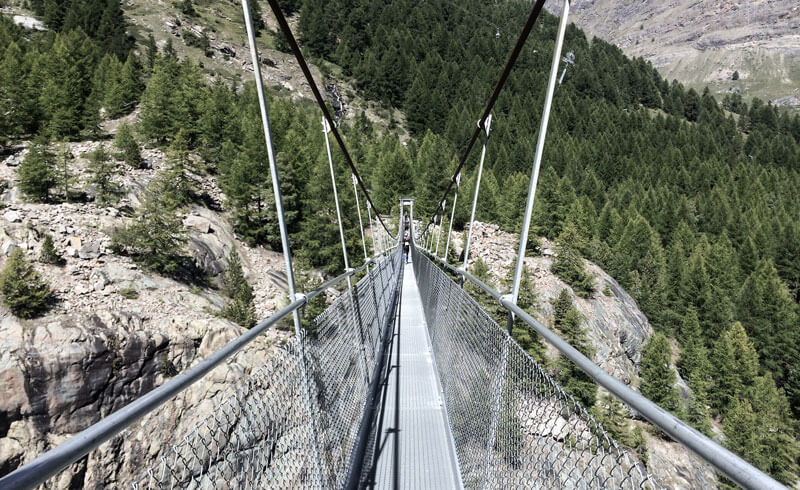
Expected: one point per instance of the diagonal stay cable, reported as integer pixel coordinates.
(512, 60)
(287, 31)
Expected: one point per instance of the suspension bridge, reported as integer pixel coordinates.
(404, 381)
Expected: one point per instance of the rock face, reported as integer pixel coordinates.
(704, 43)
(674, 466)
(115, 331)
(616, 327)
(61, 374)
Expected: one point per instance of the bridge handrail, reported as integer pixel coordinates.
(57, 459)
(729, 464)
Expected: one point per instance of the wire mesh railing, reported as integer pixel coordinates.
(295, 422)
(262, 436)
(513, 426)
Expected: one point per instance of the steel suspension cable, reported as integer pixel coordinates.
(512, 60)
(360, 221)
(287, 31)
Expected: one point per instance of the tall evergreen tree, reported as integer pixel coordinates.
(568, 321)
(37, 172)
(155, 237)
(22, 288)
(658, 377)
(568, 264)
(770, 318)
(735, 367)
(129, 151)
(177, 171)
(66, 76)
(157, 116)
(102, 170)
(241, 308)
(527, 338)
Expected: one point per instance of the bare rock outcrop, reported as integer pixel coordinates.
(65, 372)
(116, 331)
(704, 43)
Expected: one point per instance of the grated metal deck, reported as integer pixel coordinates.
(415, 447)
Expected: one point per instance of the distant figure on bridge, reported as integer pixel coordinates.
(406, 232)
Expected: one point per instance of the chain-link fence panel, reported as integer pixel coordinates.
(276, 430)
(513, 426)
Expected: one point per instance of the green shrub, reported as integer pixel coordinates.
(129, 292)
(49, 254)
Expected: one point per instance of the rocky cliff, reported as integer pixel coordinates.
(115, 331)
(704, 43)
(616, 327)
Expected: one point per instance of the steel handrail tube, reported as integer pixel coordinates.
(332, 282)
(729, 464)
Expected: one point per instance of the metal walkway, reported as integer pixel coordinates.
(415, 449)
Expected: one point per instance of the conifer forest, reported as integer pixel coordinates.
(689, 199)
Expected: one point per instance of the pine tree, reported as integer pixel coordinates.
(611, 414)
(157, 117)
(187, 8)
(431, 172)
(129, 151)
(22, 288)
(150, 53)
(568, 320)
(37, 172)
(66, 84)
(695, 368)
(527, 338)
(775, 428)
(17, 103)
(49, 254)
(103, 169)
(155, 238)
(693, 362)
(65, 176)
(658, 377)
(121, 97)
(241, 308)
(741, 436)
(735, 367)
(769, 315)
(568, 265)
(106, 76)
(176, 173)
(394, 175)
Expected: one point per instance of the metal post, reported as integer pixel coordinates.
(287, 254)
(412, 229)
(452, 216)
(360, 222)
(487, 125)
(551, 85)
(374, 230)
(441, 220)
(362, 359)
(501, 383)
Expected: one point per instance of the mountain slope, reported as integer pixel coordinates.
(705, 43)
